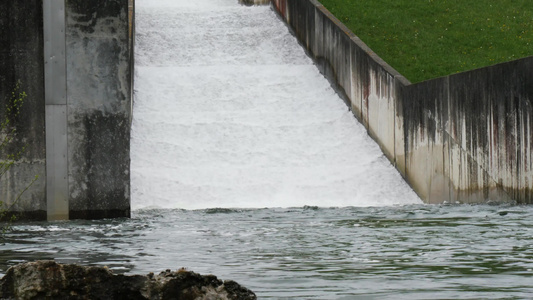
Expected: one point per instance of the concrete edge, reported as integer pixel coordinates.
(359, 42)
(99, 214)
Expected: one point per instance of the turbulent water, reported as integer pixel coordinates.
(230, 112)
(392, 252)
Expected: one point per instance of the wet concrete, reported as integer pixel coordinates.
(99, 99)
(21, 61)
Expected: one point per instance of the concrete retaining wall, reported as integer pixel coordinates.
(75, 61)
(469, 135)
(464, 137)
(21, 59)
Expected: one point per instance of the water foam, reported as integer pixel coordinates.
(230, 112)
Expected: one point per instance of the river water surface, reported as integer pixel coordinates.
(392, 252)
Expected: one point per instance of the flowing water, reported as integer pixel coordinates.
(230, 112)
(390, 252)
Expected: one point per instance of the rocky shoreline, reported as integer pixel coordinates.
(50, 280)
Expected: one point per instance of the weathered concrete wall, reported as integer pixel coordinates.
(99, 107)
(97, 75)
(21, 59)
(469, 135)
(464, 137)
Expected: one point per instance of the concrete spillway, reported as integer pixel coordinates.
(230, 112)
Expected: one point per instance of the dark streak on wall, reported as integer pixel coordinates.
(99, 99)
(86, 14)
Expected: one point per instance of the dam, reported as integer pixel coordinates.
(230, 112)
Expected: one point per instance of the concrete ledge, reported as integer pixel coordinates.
(36, 215)
(99, 214)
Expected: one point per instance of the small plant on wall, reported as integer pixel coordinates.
(8, 133)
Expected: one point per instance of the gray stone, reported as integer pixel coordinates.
(50, 280)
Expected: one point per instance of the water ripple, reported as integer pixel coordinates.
(402, 252)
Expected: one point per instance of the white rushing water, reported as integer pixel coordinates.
(230, 112)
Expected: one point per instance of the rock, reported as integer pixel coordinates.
(50, 280)
(254, 2)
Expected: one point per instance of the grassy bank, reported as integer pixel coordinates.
(424, 39)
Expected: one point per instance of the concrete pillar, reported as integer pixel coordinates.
(21, 60)
(74, 60)
(99, 72)
(56, 109)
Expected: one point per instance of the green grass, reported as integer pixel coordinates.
(424, 39)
